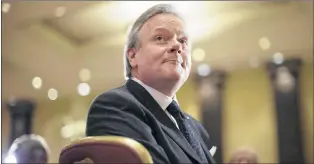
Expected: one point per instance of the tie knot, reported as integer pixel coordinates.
(174, 109)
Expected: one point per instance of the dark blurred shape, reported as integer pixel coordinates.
(28, 149)
(21, 113)
(244, 155)
(211, 89)
(285, 84)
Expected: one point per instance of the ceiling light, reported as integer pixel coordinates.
(83, 89)
(264, 43)
(60, 11)
(198, 55)
(37, 82)
(6, 7)
(73, 129)
(52, 94)
(200, 28)
(285, 82)
(278, 58)
(67, 131)
(125, 12)
(203, 70)
(85, 74)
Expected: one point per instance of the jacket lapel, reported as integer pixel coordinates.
(207, 153)
(167, 125)
(205, 148)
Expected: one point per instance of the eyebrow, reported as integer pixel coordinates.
(164, 29)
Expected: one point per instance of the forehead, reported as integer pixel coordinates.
(164, 21)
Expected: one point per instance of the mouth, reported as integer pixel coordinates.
(176, 62)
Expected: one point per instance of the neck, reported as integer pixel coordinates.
(169, 90)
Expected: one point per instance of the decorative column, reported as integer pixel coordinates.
(210, 89)
(285, 83)
(21, 114)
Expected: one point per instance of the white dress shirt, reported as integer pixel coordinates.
(162, 99)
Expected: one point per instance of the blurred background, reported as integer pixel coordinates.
(251, 83)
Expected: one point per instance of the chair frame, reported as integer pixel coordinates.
(135, 146)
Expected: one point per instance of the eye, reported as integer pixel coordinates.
(159, 38)
(184, 41)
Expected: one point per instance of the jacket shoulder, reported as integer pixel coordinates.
(119, 99)
(116, 94)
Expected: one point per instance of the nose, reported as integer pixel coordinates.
(176, 47)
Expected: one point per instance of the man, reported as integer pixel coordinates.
(244, 155)
(28, 149)
(157, 62)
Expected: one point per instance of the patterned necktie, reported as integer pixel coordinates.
(186, 128)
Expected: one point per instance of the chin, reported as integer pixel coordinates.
(175, 76)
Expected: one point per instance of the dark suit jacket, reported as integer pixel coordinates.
(130, 111)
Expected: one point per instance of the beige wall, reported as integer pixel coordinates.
(187, 97)
(249, 114)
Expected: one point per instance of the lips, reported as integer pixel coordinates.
(179, 61)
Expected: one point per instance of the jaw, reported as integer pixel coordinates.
(171, 84)
(168, 80)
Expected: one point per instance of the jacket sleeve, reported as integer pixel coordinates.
(114, 114)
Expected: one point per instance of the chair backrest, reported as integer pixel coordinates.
(104, 149)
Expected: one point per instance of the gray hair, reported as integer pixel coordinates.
(133, 34)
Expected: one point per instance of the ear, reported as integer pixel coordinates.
(131, 57)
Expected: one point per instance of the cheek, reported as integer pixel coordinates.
(188, 59)
(151, 58)
(155, 55)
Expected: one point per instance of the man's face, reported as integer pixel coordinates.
(164, 51)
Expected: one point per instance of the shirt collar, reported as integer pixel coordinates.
(162, 99)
